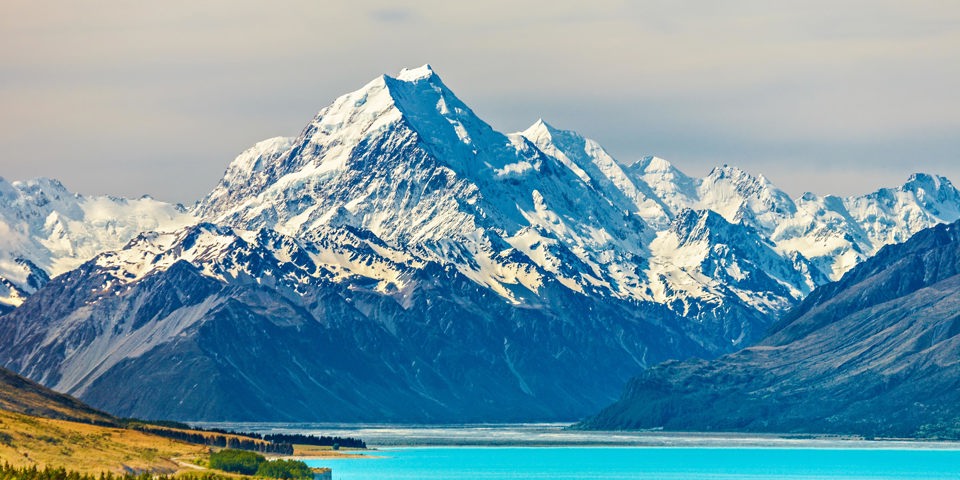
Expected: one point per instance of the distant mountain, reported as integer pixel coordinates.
(400, 259)
(46, 230)
(876, 353)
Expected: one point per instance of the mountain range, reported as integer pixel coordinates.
(46, 230)
(402, 260)
(875, 354)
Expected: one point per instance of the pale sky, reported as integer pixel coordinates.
(129, 98)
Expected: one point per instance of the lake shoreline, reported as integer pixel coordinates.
(388, 436)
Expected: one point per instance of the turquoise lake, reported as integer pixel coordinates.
(608, 463)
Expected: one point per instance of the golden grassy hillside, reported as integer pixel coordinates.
(18, 394)
(44, 428)
(27, 440)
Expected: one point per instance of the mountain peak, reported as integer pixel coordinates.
(741, 177)
(539, 129)
(46, 185)
(928, 182)
(652, 163)
(542, 129)
(422, 72)
(541, 124)
(935, 193)
(728, 171)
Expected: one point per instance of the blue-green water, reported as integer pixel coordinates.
(640, 463)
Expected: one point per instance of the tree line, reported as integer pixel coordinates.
(216, 439)
(279, 443)
(292, 438)
(322, 440)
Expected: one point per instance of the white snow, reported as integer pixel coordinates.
(44, 223)
(406, 161)
(414, 74)
(448, 186)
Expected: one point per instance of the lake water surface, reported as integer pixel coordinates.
(662, 463)
(550, 451)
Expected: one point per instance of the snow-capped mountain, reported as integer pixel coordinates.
(833, 233)
(838, 233)
(406, 160)
(595, 167)
(181, 325)
(46, 230)
(402, 259)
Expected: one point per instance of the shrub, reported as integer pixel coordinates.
(236, 461)
(286, 469)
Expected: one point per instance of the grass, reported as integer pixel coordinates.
(28, 441)
(42, 428)
(17, 394)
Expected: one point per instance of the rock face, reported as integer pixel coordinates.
(402, 260)
(875, 354)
